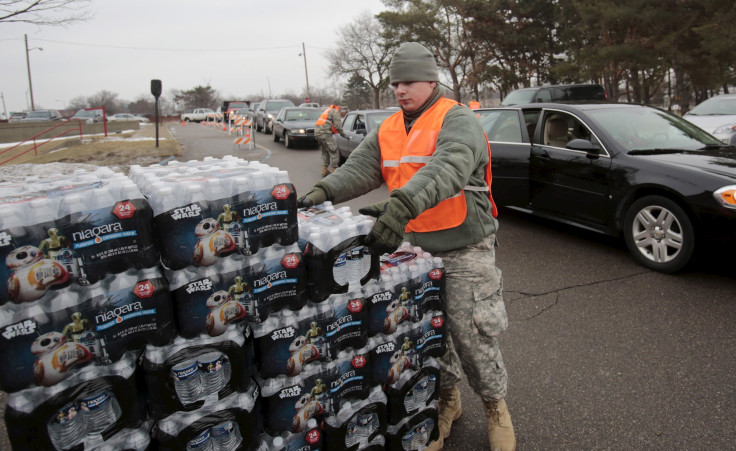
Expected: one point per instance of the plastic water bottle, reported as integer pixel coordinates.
(225, 436)
(67, 427)
(100, 411)
(214, 370)
(202, 442)
(186, 381)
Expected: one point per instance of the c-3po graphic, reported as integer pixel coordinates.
(229, 221)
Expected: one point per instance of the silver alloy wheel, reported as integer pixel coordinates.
(657, 233)
(287, 141)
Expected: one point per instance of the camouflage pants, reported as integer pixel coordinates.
(330, 154)
(476, 315)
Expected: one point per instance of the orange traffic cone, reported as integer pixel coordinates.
(183, 123)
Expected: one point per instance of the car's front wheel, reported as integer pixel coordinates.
(659, 234)
(276, 137)
(289, 143)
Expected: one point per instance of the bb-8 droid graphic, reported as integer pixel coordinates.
(212, 243)
(55, 357)
(32, 274)
(223, 311)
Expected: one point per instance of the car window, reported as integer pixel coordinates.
(374, 120)
(650, 129)
(275, 106)
(544, 95)
(715, 106)
(519, 96)
(347, 123)
(501, 125)
(360, 122)
(560, 128)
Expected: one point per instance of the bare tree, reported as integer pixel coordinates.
(44, 12)
(363, 52)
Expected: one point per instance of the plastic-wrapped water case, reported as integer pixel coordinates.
(228, 425)
(333, 240)
(138, 439)
(205, 212)
(412, 282)
(238, 289)
(414, 433)
(431, 340)
(289, 403)
(357, 424)
(311, 439)
(44, 343)
(287, 342)
(191, 374)
(85, 410)
(62, 235)
(414, 391)
(390, 355)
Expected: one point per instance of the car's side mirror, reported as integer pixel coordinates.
(361, 131)
(585, 146)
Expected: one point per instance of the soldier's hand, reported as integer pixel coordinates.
(315, 196)
(388, 231)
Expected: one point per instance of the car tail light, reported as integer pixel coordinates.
(726, 196)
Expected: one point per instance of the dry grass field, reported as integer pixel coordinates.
(117, 151)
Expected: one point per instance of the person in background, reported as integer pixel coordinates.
(329, 124)
(435, 160)
(474, 104)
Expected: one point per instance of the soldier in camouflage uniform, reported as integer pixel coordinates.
(329, 124)
(441, 165)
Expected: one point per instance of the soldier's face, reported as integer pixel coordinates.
(412, 95)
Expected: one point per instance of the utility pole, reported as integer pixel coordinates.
(4, 109)
(28, 65)
(306, 74)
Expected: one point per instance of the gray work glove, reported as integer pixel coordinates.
(388, 231)
(315, 196)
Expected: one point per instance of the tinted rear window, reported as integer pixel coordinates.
(574, 93)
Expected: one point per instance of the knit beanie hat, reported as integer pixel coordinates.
(412, 62)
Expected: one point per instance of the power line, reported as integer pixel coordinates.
(168, 49)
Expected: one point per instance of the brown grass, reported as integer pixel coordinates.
(118, 150)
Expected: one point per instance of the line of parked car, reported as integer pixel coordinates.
(87, 115)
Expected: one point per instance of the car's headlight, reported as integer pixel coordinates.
(725, 128)
(726, 196)
(301, 131)
(270, 116)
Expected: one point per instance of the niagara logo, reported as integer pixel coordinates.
(26, 327)
(190, 211)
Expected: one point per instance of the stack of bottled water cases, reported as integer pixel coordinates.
(407, 334)
(80, 294)
(227, 231)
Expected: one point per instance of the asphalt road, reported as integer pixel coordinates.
(601, 352)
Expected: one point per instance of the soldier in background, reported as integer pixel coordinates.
(329, 124)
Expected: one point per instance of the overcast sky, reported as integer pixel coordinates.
(238, 47)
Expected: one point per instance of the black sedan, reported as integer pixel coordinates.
(295, 125)
(620, 169)
(356, 125)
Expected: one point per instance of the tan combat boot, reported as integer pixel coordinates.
(500, 430)
(324, 171)
(450, 408)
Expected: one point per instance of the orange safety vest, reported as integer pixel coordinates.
(403, 155)
(474, 105)
(323, 118)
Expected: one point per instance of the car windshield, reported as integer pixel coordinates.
(374, 120)
(715, 106)
(39, 114)
(519, 96)
(303, 115)
(234, 105)
(649, 129)
(276, 106)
